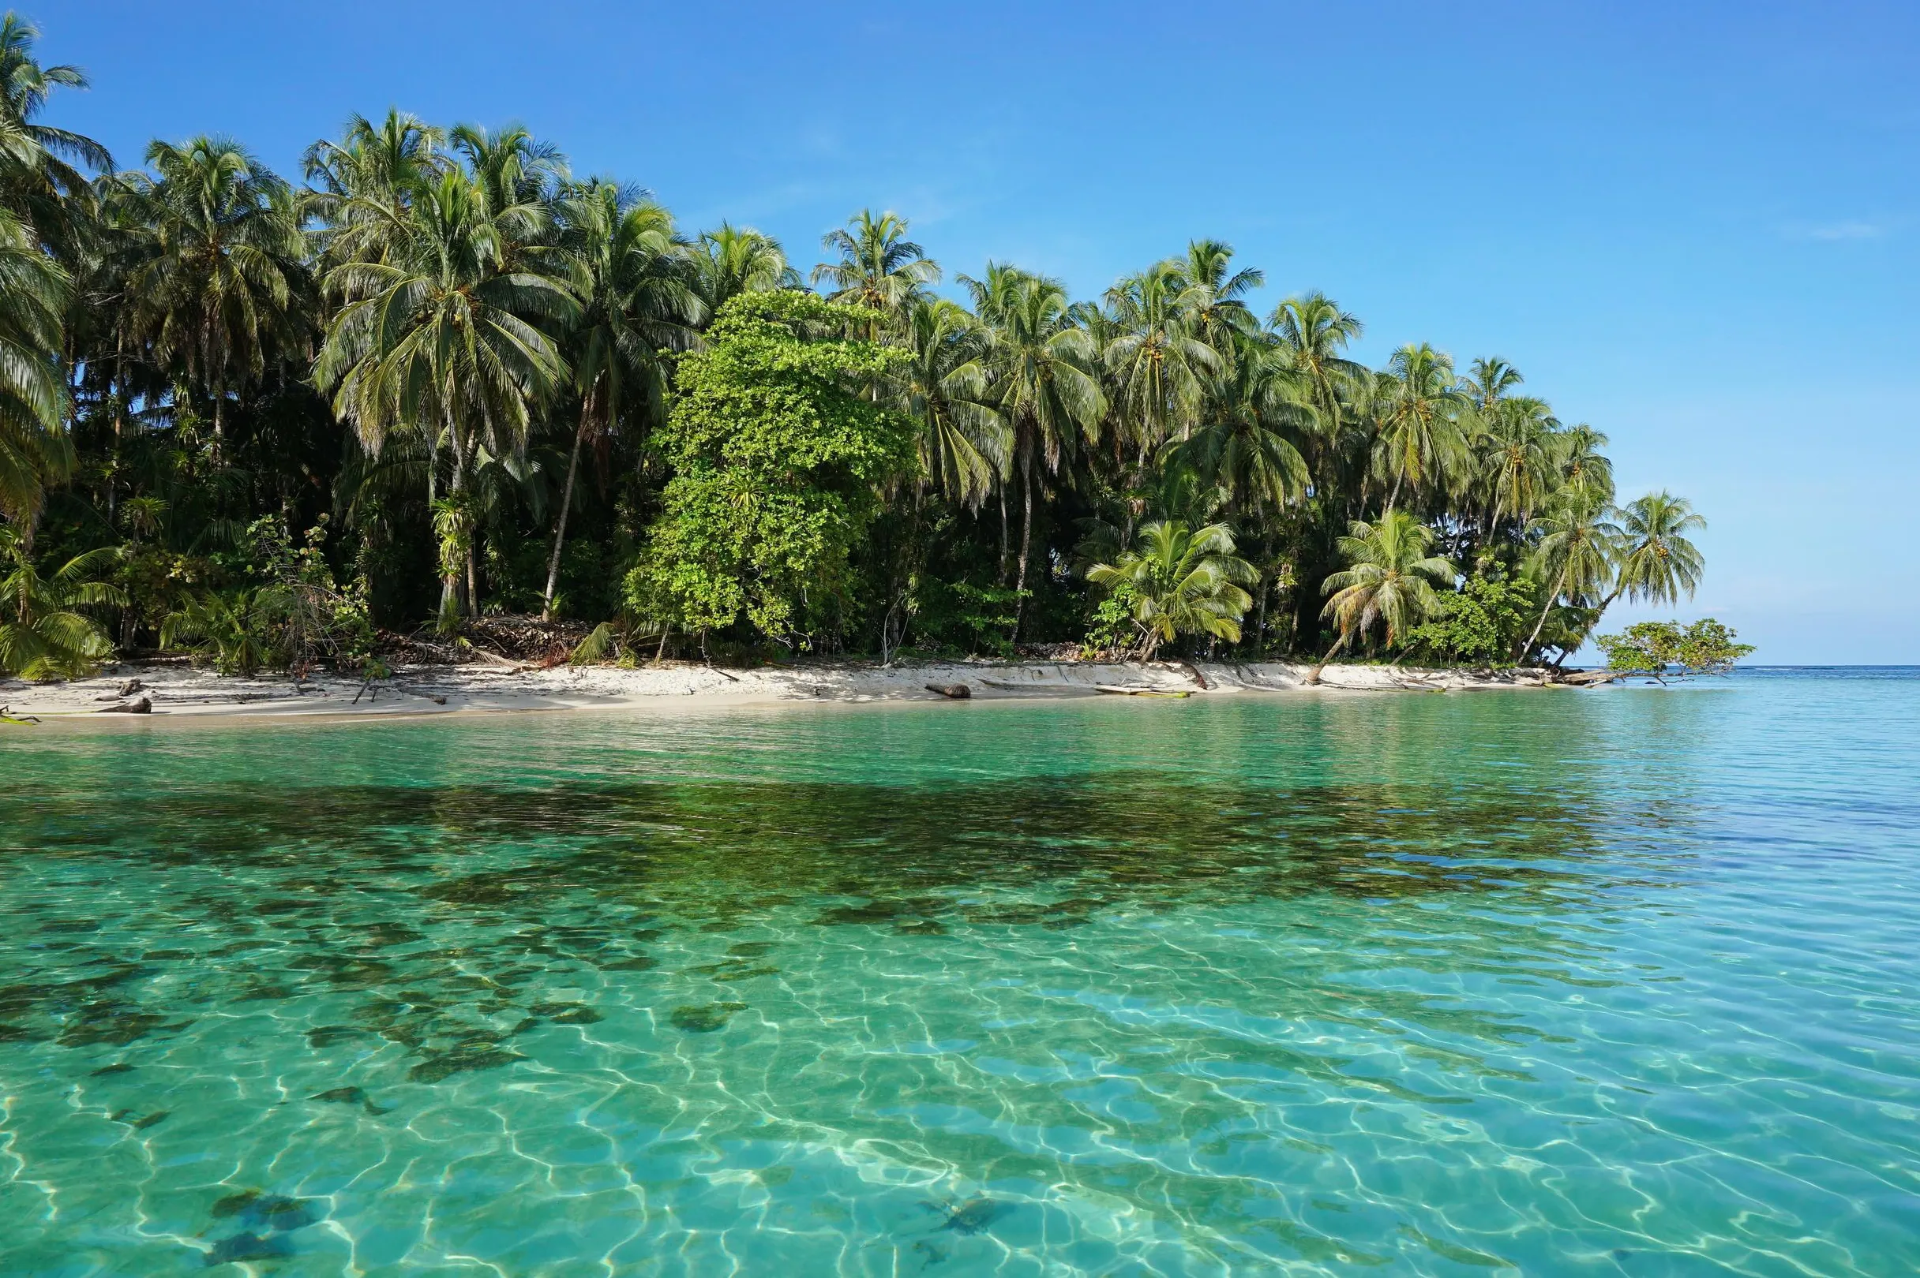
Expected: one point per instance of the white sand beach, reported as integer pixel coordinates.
(183, 690)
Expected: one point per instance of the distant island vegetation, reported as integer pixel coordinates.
(442, 377)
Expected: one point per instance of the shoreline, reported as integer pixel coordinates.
(182, 691)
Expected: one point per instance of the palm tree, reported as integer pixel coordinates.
(1583, 467)
(34, 450)
(1578, 545)
(734, 260)
(1518, 446)
(1312, 330)
(1159, 359)
(37, 179)
(1042, 379)
(363, 184)
(1184, 581)
(1489, 381)
(879, 268)
(1655, 561)
(1390, 577)
(1244, 443)
(1420, 440)
(510, 167)
(1215, 298)
(444, 338)
(216, 289)
(637, 298)
(966, 447)
(41, 636)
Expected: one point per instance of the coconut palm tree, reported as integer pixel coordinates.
(1311, 331)
(1583, 467)
(510, 167)
(1421, 443)
(362, 185)
(1252, 415)
(879, 268)
(1578, 546)
(1184, 581)
(734, 260)
(1489, 381)
(218, 287)
(966, 446)
(1517, 444)
(41, 634)
(444, 338)
(1390, 578)
(1215, 294)
(1654, 560)
(1041, 376)
(1159, 359)
(637, 298)
(34, 450)
(38, 180)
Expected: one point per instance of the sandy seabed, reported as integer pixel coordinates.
(179, 690)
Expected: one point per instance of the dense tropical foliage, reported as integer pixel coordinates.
(441, 377)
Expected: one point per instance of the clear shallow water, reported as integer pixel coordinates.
(1615, 984)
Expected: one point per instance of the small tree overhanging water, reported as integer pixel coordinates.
(1667, 650)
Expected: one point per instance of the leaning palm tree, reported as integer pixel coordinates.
(1655, 561)
(734, 260)
(1390, 578)
(635, 286)
(216, 290)
(444, 339)
(1183, 581)
(879, 269)
(966, 447)
(34, 450)
(42, 636)
(1041, 372)
(1578, 545)
(1421, 442)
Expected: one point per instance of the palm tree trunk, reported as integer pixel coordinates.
(1394, 496)
(450, 600)
(1313, 671)
(1026, 542)
(473, 581)
(1003, 534)
(1540, 625)
(560, 528)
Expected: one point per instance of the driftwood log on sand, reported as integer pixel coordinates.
(951, 691)
(142, 706)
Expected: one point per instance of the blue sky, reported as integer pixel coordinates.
(1693, 226)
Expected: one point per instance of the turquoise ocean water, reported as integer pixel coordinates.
(1615, 983)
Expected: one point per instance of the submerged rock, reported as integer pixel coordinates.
(706, 1018)
(248, 1247)
(274, 1213)
(461, 1060)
